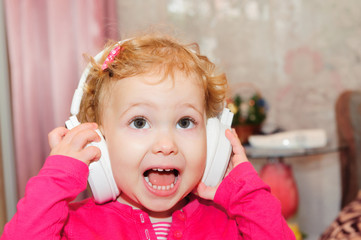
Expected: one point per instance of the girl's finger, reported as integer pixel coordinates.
(235, 142)
(56, 135)
(84, 137)
(89, 154)
(74, 131)
(239, 155)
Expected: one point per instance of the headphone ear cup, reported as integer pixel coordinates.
(221, 159)
(101, 179)
(218, 148)
(213, 131)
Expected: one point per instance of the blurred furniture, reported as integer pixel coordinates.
(282, 153)
(348, 119)
(347, 225)
(279, 175)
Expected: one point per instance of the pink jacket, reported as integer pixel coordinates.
(243, 209)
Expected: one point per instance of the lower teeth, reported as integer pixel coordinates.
(161, 187)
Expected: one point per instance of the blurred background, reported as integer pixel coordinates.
(299, 54)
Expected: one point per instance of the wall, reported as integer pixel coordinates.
(299, 54)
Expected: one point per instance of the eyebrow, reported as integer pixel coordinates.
(147, 104)
(136, 104)
(193, 107)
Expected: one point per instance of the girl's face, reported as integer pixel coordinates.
(156, 136)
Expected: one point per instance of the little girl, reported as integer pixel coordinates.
(150, 97)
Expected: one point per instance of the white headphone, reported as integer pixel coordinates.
(101, 179)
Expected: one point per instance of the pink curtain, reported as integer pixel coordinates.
(46, 42)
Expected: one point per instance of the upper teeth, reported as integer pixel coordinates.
(161, 170)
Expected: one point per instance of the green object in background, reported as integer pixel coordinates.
(248, 112)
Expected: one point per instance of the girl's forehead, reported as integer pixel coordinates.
(151, 90)
(156, 78)
(157, 87)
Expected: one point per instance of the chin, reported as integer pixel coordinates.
(165, 205)
(160, 206)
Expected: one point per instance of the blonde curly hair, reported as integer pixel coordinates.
(149, 53)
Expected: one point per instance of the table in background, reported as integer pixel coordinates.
(281, 153)
(279, 175)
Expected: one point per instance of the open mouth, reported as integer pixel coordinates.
(161, 179)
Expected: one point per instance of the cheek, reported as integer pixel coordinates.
(123, 154)
(124, 143)
(202, 162)
(126, 151)
(197, 154)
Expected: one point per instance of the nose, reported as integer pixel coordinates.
(165, 143)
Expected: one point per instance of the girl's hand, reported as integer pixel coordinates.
(238, 156)
(72, 143)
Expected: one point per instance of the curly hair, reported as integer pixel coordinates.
(149, 53)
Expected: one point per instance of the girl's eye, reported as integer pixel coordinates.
(186, 123)
(139, 123)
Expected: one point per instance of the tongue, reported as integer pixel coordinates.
(161, 178)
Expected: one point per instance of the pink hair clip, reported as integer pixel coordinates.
(113, 53)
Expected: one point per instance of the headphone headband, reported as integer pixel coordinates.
(79, 91)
